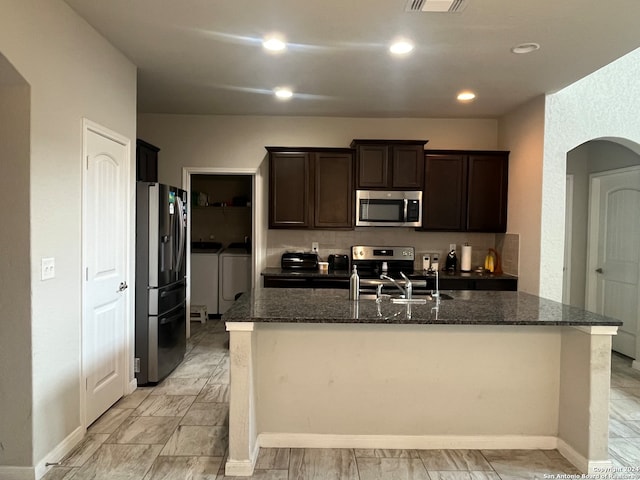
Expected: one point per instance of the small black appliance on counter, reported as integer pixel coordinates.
(451, 264)
(338, 262)
(299, 261)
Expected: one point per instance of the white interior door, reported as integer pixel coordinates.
(614, 253)
(105, 261)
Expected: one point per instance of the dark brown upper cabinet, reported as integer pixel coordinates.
(310, 187)
(146, 161)
(445, 192)
(389, 164)
(465, 191)
(289, 190)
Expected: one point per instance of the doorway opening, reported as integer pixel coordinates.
(601, 239)
(221, 226)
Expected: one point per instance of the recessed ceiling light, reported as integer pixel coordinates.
(274, 44)
(525, 48)
(283, 93)
(401, 47)
(466, 96)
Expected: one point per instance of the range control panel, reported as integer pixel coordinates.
(365, 252)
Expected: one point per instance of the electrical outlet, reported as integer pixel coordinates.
(48, 268)
(314, 247)
(435, 260)
(452, 246)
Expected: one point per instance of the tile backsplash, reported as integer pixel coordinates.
(338, 241)
(508, 245)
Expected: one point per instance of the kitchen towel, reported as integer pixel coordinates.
(465, 264)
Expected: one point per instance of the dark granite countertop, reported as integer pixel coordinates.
(287, 305)
(283, 273)
(279, 272)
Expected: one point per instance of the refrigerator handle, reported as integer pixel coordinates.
(181, 223)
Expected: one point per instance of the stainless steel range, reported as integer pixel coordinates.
(374, 261)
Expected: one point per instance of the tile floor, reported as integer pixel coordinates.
(177, 430)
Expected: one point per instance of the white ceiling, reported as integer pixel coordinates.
(205, 56)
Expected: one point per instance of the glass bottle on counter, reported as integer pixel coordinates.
(354, 285)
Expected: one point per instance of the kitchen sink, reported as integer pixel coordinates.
(416, 296)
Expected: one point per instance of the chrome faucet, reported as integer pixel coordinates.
(436, 293)
(407, 291)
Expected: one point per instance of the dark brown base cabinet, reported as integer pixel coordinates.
(465, 191)
(506, 283)
(310, 188)
(389, 164)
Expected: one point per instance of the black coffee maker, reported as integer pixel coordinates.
(451, 264)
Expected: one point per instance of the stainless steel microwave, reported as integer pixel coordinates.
(383, 208)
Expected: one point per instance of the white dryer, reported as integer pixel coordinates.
(235, 276)
(204, 276)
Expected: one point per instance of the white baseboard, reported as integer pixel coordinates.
(133, 384)
(582, 463)
(59, 452)
(40, 469)
(407, 442)
(17, 473)
(242, 468)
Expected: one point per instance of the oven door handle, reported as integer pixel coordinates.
(372, 283)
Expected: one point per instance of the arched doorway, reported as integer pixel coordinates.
(612, 290)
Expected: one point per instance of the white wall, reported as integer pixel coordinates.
(522, 132)
(15, 288)
(603, 105)
(578, 166)
(73, 73)
(239, 141)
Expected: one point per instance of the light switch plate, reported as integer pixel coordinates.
(48, 266)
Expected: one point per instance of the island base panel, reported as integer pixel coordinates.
(417, 386)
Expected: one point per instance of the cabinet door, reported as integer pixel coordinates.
(487, 192)
(146, 162)
(407, 168)
(373, 166)
(289, 182)
(444, 197)
(333, 190)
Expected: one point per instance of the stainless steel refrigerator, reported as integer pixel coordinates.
(161, 315)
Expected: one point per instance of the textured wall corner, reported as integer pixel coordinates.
(603, 105)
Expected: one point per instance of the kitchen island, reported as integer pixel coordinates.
(487, 369)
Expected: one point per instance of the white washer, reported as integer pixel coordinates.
(235, 276)
(204, 280)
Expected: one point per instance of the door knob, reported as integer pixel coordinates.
(123, 286)
(598, 270)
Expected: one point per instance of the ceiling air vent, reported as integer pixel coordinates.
(446, 6)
